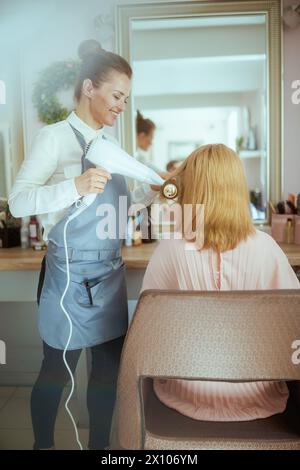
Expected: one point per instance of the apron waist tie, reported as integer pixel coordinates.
(85, 255)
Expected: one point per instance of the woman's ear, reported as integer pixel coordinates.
(87, 88)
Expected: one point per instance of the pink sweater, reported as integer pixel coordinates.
(257, 263)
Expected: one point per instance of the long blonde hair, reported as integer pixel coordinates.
(213, 175)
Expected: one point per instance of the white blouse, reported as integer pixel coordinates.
(45, 184)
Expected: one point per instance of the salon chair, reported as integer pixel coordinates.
(230, 336)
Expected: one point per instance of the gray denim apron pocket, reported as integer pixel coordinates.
(94, 292)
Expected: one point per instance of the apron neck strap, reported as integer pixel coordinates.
(84, 146)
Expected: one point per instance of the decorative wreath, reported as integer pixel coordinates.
(56, 77)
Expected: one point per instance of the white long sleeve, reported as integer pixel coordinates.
(45, 184)
(31, 195)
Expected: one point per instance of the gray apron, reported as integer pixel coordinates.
(96, 300)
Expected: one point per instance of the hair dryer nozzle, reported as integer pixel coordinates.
(170, 189)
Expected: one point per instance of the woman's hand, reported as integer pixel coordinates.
(92, 181)
(164, 175)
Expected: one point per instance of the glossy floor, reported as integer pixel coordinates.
(15, 422)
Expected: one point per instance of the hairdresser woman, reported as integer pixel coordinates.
(52, 179)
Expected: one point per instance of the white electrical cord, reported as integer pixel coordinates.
(81, 206)
(70, 335)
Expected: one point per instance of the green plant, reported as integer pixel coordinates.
(60, 75)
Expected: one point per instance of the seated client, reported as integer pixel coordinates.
(233, 255)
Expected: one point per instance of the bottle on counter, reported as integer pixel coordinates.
(25, 232)
(289, 231)
(33, 230)
(137, 237)
(129, 231)
(148, 239)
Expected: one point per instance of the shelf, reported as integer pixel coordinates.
(251, 154)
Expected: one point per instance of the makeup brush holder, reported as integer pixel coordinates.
(279, 222)
(297, 229)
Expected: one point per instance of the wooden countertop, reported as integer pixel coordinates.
(18, 259)
(292, 252)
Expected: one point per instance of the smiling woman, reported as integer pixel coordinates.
(104, 79)
(92, 310)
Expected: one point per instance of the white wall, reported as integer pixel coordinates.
(10, 113)
(60, 40)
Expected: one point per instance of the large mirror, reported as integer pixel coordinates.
(206, 73)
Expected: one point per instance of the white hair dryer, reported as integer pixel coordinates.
(114, 159)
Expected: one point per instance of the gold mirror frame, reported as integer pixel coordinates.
(272, 9)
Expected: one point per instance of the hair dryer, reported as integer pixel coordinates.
(112, 158)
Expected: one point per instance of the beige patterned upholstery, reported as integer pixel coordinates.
(229, 336)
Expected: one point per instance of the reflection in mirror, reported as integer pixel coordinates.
(204, 80)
